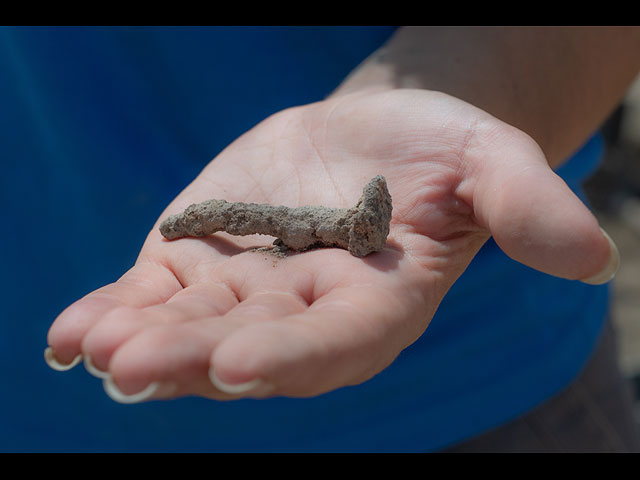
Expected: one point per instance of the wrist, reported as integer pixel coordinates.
(371, 76)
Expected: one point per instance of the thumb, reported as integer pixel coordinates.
(536, 219)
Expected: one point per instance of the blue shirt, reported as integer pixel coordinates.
(106, 126)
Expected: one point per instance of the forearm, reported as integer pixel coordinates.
(556, 84)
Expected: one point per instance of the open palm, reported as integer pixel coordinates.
(214, 317)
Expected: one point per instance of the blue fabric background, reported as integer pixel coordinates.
(104, 126)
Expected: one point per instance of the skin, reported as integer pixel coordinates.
(448, 134)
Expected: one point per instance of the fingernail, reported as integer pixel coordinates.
(611, 269)
(255, 386)
(88, 364)
(53, 362)
(115, 394)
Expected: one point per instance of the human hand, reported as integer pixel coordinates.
(210, 317)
